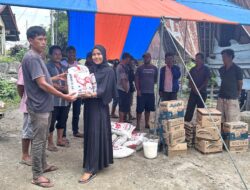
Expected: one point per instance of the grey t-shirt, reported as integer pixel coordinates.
(122, 74)
(229, 81)
(34, 67)
(147, 76)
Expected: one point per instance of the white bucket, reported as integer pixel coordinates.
(150, 148)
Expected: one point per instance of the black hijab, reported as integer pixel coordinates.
(104, 62)
(105, 78)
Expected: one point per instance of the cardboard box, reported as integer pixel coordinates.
(174, 138)
(239, 149)
(245, 117)
(173, 122)
(172, 153)
(171, 115)
(208, 146)
(209, 133)
(178, 147)
(171, 106)
(206, 120)
(171, 109)
(235, 127)
(235, 136)
(173, 128)
(199, 126)
(236, 143)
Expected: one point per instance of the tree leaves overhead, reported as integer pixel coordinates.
(60, 29)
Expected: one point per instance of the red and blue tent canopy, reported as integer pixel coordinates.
(129, 25)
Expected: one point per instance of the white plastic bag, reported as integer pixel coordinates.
(80, 80)
(122, 151)
(122, 129)
(135, 141)
(119, 141)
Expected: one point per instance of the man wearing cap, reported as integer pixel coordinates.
(145, 79)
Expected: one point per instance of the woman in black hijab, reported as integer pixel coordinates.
(98, 151)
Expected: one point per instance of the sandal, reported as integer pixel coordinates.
(50, 168)
(44, 184)
(66, 140)
(52, 148)
(82, 181)
(26, 162)
(80, 135)
(63, 144)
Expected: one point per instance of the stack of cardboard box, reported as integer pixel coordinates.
(245, 117)
(207, 131)
(235, 135)
(190, 130)
(172, 120)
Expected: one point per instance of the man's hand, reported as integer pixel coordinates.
(62, 77)
(70, 97)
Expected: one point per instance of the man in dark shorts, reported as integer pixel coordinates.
(40, 91)
(145, 79)
(201, 75)
(123, 87)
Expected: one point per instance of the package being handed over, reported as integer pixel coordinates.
(80, 80)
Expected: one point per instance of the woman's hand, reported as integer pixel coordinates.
(87, 95)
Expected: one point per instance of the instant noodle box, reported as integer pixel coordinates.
(206, 120)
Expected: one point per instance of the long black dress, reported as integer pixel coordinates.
(98, 152)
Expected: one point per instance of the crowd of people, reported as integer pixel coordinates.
(46, 103)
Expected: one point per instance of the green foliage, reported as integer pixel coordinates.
(8, 91)
(6, 59)
(61, 28)
(17, 52)
(213, 81)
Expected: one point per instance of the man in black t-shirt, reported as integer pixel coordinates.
(231, 84)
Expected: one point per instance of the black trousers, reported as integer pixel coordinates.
(59, 118)
(193, 101)
(76, 114)
(167, 96)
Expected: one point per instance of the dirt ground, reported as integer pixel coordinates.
(189, 171)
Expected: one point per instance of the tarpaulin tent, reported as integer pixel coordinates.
(129, 25)
(112, 22)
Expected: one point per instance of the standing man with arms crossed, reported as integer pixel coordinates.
(231, 84)
(39, 89)
(145, 79)
(201, 75)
